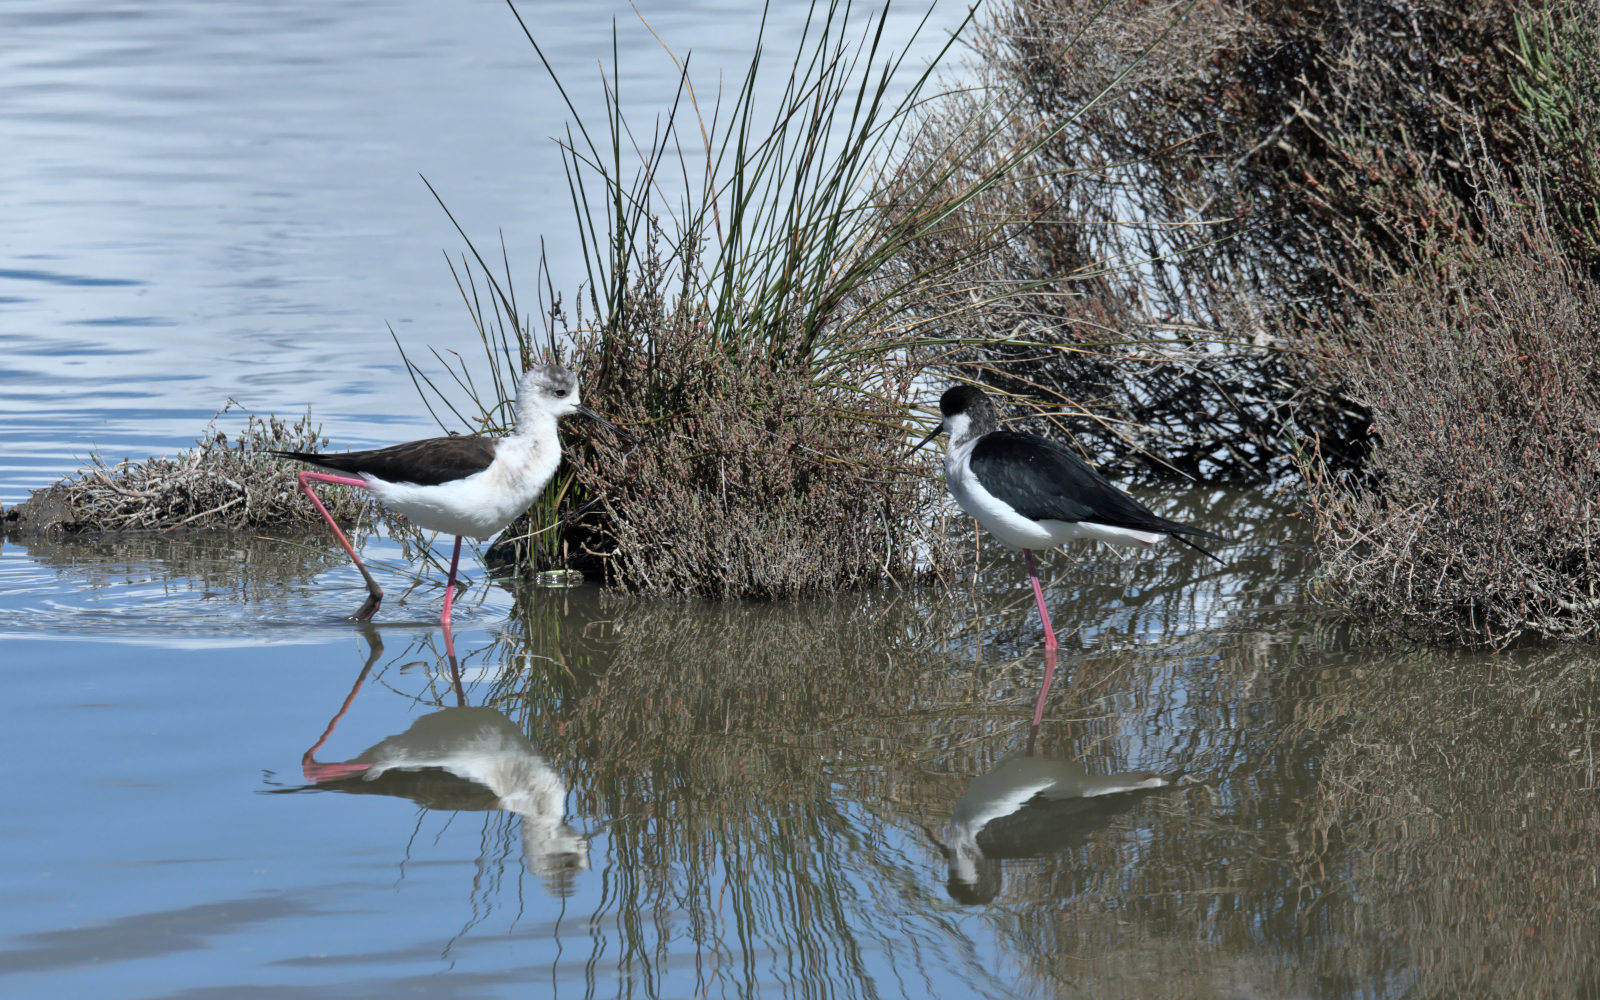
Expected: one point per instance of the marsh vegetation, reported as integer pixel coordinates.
(1349, 250)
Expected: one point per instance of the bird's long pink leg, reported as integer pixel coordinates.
(450, 586)
(374, 592)
(1038, 595)
(1049, 646)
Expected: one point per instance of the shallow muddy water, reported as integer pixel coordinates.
(224, 789)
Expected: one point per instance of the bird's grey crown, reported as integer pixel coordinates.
(552, 380)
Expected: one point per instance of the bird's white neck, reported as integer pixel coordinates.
(963, 438)
(963, 431)
(532, 420)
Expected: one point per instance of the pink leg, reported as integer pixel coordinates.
(450, 588)
(374, 592)
(1038, 595)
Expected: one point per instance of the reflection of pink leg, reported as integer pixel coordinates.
(317, 773)
(1044, 692)
(455, 666)
(450, 587)
(374, 592)
(1038, 595)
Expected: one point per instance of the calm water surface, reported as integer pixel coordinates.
(222, 789)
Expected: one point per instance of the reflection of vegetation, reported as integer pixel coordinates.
(235, 563)
(1454, 820)
(766, 774)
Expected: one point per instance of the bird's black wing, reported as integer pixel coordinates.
(1043, 480)
(429, 462)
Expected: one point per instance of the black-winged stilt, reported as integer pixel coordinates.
(458, 485)
(1032, 493)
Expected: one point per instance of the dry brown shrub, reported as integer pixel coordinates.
(754, 477)
(1144, 317)
(1484, 521)
(1231, 178)
(1317, 137)
(219, 483)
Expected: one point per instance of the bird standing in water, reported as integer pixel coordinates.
(1032, 493)
(458, 485)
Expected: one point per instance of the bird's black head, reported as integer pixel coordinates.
(964, 410)
(963, 399)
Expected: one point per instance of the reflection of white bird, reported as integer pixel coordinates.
(1030, 807)
(450, 759)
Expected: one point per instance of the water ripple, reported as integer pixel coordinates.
(213, 590)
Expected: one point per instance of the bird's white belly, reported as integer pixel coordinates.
(477, 506)
(1019, 532)
(464, 507)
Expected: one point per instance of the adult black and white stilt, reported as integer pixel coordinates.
(1032, 493)
(462, 486)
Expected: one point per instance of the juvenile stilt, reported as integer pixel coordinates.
(458, 485)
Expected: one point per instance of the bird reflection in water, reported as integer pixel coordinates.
(462, 758)
(1030, 806)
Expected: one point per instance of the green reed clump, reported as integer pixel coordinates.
(755, 479)
(221, 482)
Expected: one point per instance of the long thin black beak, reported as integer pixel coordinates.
(597, 418)
(937, 430)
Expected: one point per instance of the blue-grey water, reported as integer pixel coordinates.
(202, 201)
(221, 788)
